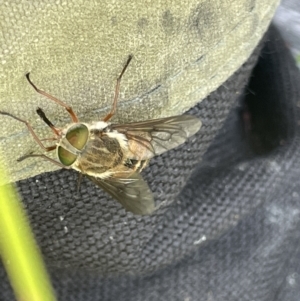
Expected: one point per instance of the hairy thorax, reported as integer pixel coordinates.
(104, 153)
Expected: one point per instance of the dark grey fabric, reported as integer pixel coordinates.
(232, 233)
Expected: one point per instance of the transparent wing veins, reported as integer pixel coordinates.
(133, 193)
(160, 135)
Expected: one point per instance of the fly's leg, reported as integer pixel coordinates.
(79, 180)
(117, 91)
(68, 108)
(49, 139)
(35, 137)
(44, 157)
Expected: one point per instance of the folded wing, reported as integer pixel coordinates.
(132, 192)
(149, 138)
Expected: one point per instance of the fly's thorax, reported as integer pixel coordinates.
(73, 141)
(104, 152)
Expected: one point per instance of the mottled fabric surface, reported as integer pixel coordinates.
(228, 225)
(183, 50)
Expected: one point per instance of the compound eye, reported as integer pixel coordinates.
(78, 135)
(65, 157)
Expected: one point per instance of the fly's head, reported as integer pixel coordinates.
(72, 142)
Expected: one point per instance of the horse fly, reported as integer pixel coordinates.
(113, 155)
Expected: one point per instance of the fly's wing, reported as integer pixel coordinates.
(154, 137)
(133, 192)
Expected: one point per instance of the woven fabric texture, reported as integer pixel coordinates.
(232, 233)
(90, 230)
